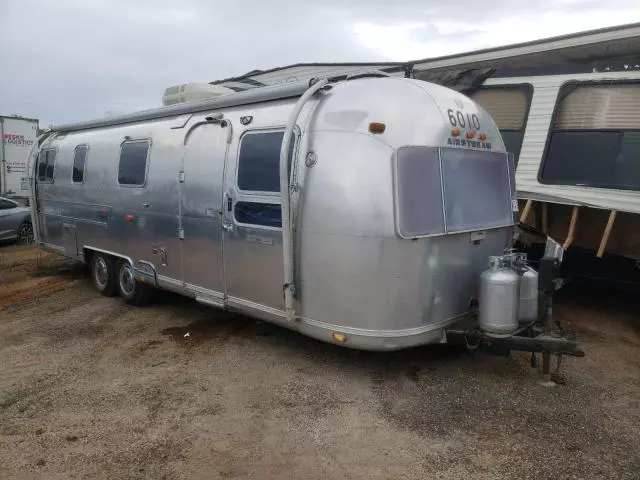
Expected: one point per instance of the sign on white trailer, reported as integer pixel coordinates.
(18, 136)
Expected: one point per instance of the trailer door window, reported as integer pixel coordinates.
(257, 213)
(595, 140)
(46, 164)
(419, 192)
(79, 160)
(477, 189)
(132, 169)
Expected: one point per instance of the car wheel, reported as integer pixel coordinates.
(131, 290)
(103, 272)
(25, 233)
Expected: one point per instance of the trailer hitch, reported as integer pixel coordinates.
(540, 343)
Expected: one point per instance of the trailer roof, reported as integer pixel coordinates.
(264, 94)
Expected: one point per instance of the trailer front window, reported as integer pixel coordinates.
(477, 189)
(419, 192)
(449, 190)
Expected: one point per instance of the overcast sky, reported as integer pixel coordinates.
(68, 60)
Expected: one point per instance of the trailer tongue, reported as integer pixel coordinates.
(510, 286)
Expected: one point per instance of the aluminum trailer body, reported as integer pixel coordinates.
(399, 190)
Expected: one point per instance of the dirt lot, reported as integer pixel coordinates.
(93, 388)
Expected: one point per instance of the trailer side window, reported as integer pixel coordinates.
(509, 107)
(46, 164)
(259, 161)
(595, 139)
(132, 169)
(419, 192)
(79, 161)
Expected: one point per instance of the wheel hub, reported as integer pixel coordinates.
(102, 274)
(127, 281)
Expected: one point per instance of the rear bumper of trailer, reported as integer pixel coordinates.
(374, 340)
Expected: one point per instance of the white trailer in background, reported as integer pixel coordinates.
(18, 136)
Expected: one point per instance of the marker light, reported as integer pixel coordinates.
(483, 136)
(470, 134)
(455, 132)
(128, 218)
(377, 127)
(339, 337)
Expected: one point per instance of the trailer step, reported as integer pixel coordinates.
(210, 301)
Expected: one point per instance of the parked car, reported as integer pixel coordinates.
(15, 221)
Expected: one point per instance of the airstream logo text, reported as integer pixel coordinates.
(18, 140)
(459, 142)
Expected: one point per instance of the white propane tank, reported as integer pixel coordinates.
(499, 298)
(528, 309)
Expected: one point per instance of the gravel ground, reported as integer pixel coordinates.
(93, 388)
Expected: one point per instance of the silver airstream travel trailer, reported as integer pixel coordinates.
(361, 212)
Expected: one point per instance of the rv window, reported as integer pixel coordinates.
(419, 192)
(259, 161)
(132, 169)
(512, 142)
(255, 213)
(508, 106)
(46, 163)
(595, 159)
(596, 138)
(79, 159)
(477, 189)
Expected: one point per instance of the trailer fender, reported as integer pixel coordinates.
(145, 272)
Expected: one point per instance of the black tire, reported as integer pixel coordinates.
(103, 274)
(131, 290)
(25, 233)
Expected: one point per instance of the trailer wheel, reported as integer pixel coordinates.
(132, 291)
(103, 273)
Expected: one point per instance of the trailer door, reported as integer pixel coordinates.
(253, 221)
(200, 210)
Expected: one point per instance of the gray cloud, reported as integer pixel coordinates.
(76, 59)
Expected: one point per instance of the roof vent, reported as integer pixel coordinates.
(188, 92)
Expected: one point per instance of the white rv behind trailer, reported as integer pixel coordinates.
(18, 136)
(577, 138)
(360, 212)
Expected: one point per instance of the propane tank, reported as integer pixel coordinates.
(528, 309)
(499, 298)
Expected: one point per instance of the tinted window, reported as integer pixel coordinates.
(132, 169)
(626, 169)
(419, 191)
(46, 164)
(259, 161)
(593, 158)
(580, 158)
(477, 189)
(513, 142)
(6, 204)
(266, 214)
(79, 159)
(595, 140)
